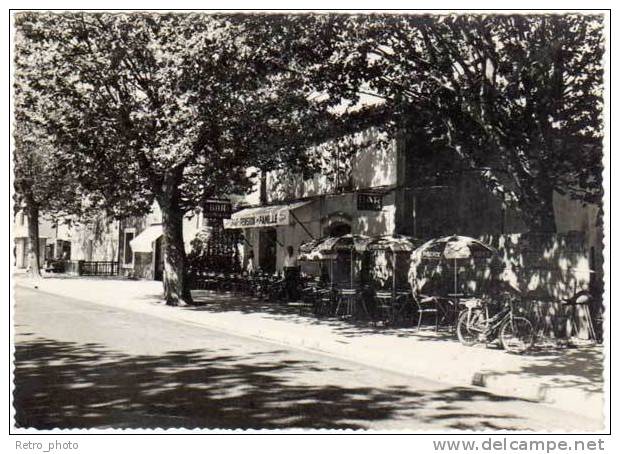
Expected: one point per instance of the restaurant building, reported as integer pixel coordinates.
(356, 195)
(380, 190)
(367, 193)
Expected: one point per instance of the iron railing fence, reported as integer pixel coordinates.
(98, 268)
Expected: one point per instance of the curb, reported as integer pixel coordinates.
(585, 404)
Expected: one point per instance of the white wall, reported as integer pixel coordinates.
(192, 226)
(373, 165)
(574, 215)
(46, 228)
(96, 241)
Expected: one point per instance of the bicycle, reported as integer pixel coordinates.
(573, 320)
(515, 333)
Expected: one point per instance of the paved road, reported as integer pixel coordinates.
(82, 365)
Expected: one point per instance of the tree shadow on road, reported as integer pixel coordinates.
(70, 385)
(580, 368)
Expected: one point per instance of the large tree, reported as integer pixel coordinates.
(38, 188)
(519, 96)
(42, 187)
(171, 108)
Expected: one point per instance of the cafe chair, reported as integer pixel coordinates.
(348, 299)
(324, 302)
(426, 305)
(384, 306)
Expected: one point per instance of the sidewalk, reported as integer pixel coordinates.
(569, 379)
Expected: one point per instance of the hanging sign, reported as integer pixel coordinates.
(369, 202)
(218, 209)
(263, 216)
(259, 217)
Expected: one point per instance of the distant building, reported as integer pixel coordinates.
(54, 240)
(141, 246)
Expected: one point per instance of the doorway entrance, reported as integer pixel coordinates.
(341, 272)
(267, 250)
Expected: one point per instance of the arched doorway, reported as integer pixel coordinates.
(338, 224)
(338, 229)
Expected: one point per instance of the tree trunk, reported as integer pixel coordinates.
(34, 263)
(263, 187)
(176, 283)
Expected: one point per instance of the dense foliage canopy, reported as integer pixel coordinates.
(176, 107)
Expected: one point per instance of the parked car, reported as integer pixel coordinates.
(55, 266)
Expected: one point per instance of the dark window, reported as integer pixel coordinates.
(49, 252)
(128, 252)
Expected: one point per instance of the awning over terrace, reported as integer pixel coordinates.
(144, 241)
(264, 216)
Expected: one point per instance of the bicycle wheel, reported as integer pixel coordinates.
(471, 326)
(517, 335)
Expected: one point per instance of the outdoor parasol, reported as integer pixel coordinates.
(393, 244)
(328, 247)
(312, 252)
(452, 248)
(309, 251)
